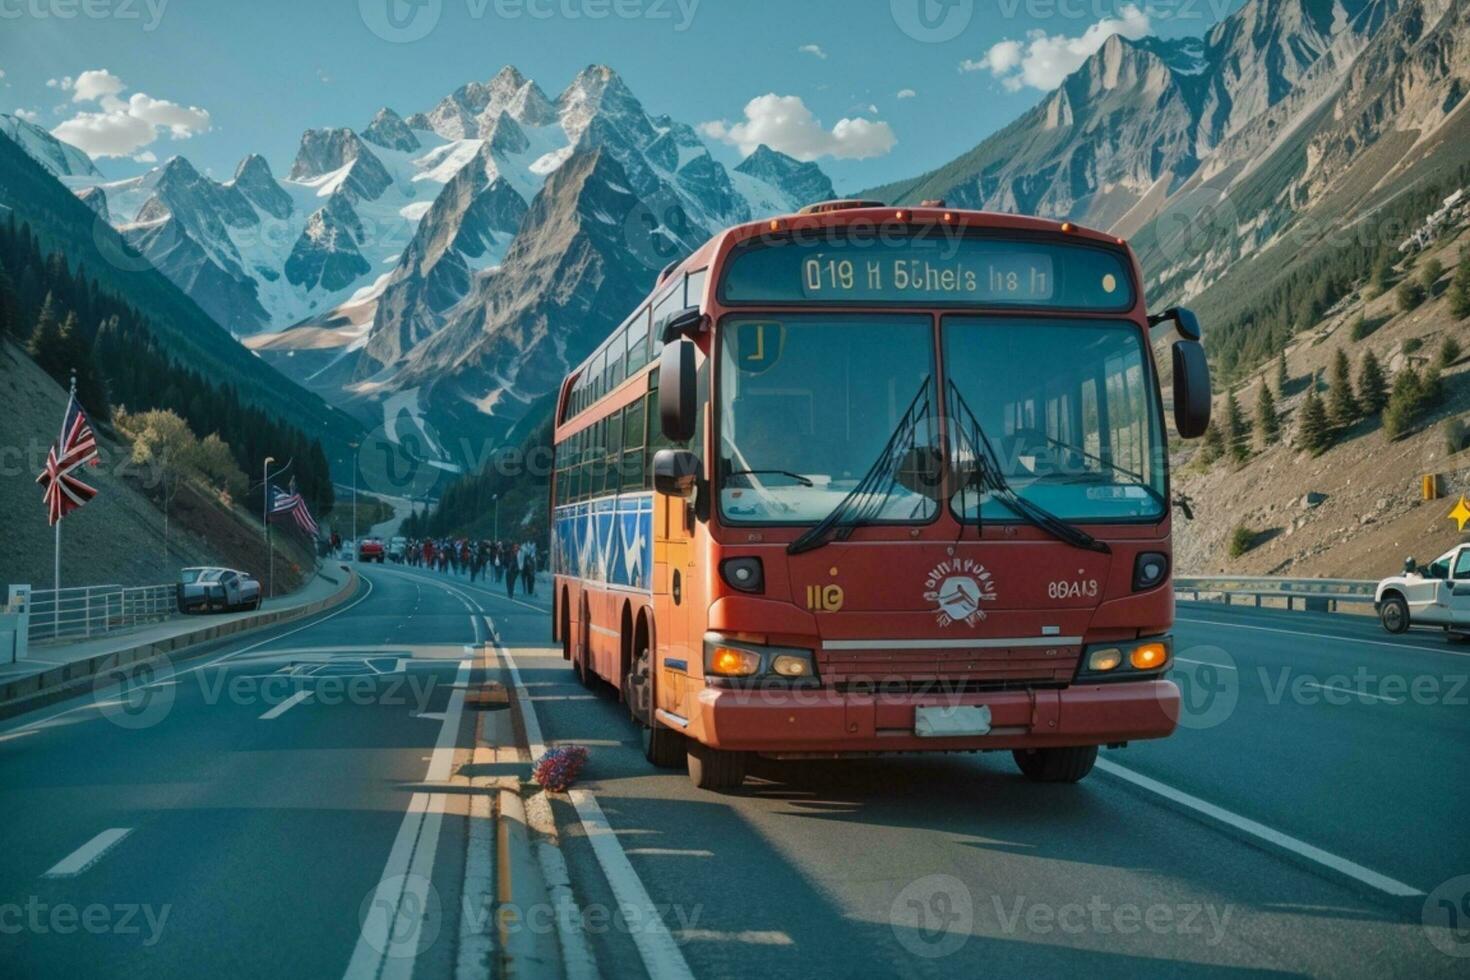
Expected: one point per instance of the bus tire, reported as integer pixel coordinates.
(715, 769)
(1063, 765)
(1394, 614)
(664, 747)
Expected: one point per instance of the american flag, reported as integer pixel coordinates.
(64, 493)
(291, 504)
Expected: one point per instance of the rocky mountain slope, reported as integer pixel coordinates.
(1356, 510)
(1128, 129)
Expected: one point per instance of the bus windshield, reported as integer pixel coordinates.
(1070, 410)
(808, 403)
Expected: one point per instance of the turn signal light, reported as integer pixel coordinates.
(1105, 659)
(730, 662)
(1149, 656)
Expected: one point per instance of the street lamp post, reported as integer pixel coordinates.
(354, 503)
(265, 518)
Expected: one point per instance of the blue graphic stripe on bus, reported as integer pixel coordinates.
(608, 540)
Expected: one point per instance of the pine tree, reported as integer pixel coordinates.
(1460, 287)
(1283, 378)
(1429, 275)
(1382, 275)
(1372, 385)
(1343, 405)
(1402, 410)
(1268, 423)
(1236, 431)
(1315, 434)
(1449, 351)
(9, 306)
(1213, 446)
(46, 346)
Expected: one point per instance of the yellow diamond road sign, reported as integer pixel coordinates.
(1461, 514)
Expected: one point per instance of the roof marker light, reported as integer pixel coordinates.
(1067, 226)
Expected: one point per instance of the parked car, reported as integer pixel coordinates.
(1433, 595)
(217, 590)
(398, 549)
(370, 549)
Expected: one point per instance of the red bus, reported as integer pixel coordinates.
(870, 480)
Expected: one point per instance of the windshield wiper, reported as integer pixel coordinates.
(866, 500)
(1137, 478)
(803, 480)
(1001, 488)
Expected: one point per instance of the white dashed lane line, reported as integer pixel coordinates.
(88, 854)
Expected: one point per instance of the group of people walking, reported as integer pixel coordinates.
(505, 561)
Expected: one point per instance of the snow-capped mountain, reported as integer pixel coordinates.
(407, 252)
(62, 159)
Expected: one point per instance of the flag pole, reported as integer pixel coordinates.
(56, 547)
(265, 518)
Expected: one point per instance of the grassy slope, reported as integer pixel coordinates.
(117, 538)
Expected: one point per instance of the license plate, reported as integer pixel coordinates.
(948, 722)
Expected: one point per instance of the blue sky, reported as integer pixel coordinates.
(215, 80)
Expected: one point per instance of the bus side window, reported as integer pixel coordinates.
(612, 473)
(617, 360)
(633, 442)
(638, 341)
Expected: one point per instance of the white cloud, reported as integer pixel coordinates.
(95, 84)
(814, 50)
(784, 123)
(907, 93)
(182, 122)
(29, 115)
(1043, 60)
(145, 157)
(122, 127)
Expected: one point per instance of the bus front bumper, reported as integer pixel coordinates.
(825, 722)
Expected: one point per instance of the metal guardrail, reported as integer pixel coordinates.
(1321, 594)
(97, 609)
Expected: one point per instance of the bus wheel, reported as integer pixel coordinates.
(1065, 765)
(662, 746)
(715, 768)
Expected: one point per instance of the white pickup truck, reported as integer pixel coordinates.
(1438, 595)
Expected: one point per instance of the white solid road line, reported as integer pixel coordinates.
(1321, 636)
(1349, 691)
(387, 943)
(285, 705)
(88, 854)
(656, 946)
(1203, 663)
(1260, 831)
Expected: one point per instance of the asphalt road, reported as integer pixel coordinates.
(1300, 822)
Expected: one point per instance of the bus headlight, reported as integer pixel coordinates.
(728, 661)
(739, 657)
(1132, 660)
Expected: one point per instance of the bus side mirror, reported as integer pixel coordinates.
(1191, 389)
(677, 392)
(676, 473)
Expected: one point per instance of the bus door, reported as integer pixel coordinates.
(679, 594)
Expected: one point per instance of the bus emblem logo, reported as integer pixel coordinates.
(957, 587)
